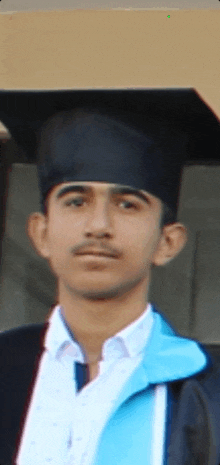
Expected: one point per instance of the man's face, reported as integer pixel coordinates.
(98, 218)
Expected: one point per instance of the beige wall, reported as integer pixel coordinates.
(112, 49)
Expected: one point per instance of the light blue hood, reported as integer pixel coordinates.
(127, 435)
(169, 356)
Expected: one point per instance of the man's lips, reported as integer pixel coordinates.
(97, 253)
(93, 256)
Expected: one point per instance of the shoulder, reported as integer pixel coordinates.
(195, 408)
(209, 379)
(21, 342)
(206, 381)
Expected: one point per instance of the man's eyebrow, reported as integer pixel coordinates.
(112, 190)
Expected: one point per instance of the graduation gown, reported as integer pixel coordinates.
(192, 432)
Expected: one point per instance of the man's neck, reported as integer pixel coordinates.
(92, 323)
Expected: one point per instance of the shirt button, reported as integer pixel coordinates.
(69, 442)
(32, 442)
(48, 460)
(54, 424)
(79, 439)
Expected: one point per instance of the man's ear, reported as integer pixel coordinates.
(36, 231)
(173, 239)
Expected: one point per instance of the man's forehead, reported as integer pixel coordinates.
(94, 184)
(99, 186)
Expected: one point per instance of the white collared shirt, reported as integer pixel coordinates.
(63, 426)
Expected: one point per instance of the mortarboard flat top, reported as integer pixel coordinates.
(23, 113)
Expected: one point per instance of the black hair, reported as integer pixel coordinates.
(168, 216)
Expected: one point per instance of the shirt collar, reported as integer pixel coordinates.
(129, 342)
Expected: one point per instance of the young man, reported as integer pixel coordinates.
(114, 383)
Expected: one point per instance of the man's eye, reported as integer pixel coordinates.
(69, 202)
(130, 203)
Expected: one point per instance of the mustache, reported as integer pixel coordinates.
(102, 247)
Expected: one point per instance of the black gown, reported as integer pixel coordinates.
(193, 414)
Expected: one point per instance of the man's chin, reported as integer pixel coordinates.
(99, 294)
(92, 292)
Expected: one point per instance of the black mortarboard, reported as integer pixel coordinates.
(140, 138)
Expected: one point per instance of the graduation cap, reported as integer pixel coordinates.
(139, 138)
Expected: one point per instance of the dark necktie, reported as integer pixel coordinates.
(81, 374)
